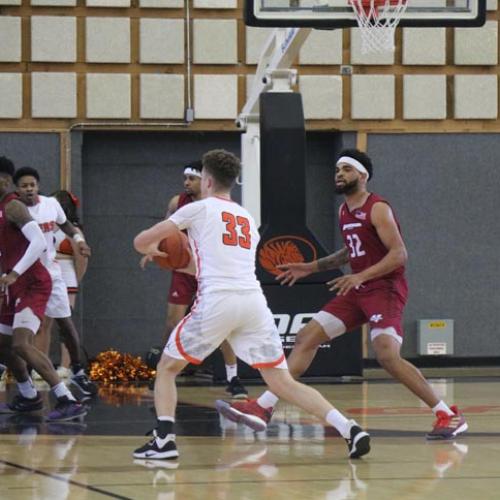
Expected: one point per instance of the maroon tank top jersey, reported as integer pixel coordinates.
(184, 199)
(361, 238)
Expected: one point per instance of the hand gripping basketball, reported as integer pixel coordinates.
(176, 246)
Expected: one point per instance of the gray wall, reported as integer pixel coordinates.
(444, 189)
(40, 151)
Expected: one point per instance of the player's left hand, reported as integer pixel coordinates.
(84, 249)
(345, 283)
(7, 280)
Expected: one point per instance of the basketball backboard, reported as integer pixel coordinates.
(340, 14)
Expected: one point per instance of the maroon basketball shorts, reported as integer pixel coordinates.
(182, 289)
(29, 291)
(380, 303)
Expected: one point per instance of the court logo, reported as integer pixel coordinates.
(286, 249)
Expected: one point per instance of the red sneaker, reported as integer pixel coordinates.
(248, 412)
(448, 426)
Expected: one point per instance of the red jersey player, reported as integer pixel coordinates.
(26, 286)
(375, 292)
(183, 286)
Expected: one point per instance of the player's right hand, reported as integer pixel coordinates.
(149, 258)
(292, 272)
(7, 279)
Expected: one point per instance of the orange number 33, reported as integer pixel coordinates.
(231, 237)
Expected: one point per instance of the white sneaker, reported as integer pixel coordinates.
(63, 372)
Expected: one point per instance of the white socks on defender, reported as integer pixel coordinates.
(27, 389)
(337, 420)
(442, 406)
(267, 400)
(231, 372)
(60, 390)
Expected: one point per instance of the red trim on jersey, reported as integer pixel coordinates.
(178, 343)
(72, 289)
(272, 364)
(198, 260)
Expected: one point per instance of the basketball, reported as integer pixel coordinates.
(177, 248)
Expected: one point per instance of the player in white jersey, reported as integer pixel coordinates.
(230, 305)
(73, 266)
(50, 216)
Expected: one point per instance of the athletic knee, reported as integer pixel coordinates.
(306, 339)
(168, 367)
(387, 356)
(20, 349)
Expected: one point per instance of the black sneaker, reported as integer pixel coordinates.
(158, 448)
(83, 383)
(359, 442)
(21, 404)
(236, 389)
(67, 409)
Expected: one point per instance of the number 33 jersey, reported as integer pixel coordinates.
(361, 238)
(224, 238)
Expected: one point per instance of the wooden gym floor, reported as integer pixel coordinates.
(295, 459)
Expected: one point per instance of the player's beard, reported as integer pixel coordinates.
(348, 187)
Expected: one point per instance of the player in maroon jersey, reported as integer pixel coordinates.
(374, 292)
(183, 286)
(26, 287)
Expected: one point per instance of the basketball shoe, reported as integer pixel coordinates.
(83, 383)
(248, 412)
(20, 404)
(158, 448)
(448, 426)
(359, 441)
(66, 409)
(236, 389)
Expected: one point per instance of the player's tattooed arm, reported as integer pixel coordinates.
(333, 261)
(17, 213)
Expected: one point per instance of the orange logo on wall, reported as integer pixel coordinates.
(285, 250)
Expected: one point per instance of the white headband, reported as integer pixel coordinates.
(354, 163)
(192, 171)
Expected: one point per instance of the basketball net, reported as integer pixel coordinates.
(377, 21)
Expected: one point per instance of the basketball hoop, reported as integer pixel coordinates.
(377, 20)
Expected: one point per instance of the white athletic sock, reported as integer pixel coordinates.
(60, 390)
(337, 420)
(267, 400)
(27, 389)
(166, 418)
(231, 371)
(442, 406)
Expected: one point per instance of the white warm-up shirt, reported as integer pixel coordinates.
(48, 214)
(224, 238)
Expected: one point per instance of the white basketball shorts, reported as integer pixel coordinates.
(240, 317)
(58, 304)
(69, 274)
